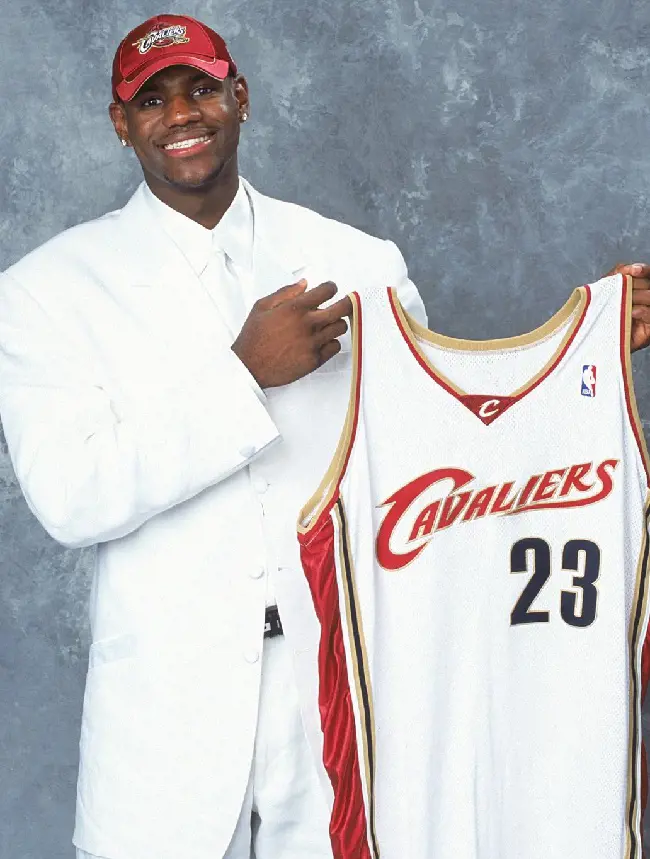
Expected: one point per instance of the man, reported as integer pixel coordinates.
(172, 391)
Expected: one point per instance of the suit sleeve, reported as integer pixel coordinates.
(94, 470)
(407, 291)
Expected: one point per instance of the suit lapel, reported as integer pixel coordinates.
(164, 283)
(152, 258)
(159, 282)
(279, 258)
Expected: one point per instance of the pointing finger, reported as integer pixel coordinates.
(316, 296)
(327, 315)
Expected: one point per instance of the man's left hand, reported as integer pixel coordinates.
(640, 273)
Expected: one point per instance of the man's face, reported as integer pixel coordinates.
(183, 126)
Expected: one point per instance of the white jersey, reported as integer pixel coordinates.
(477, 555)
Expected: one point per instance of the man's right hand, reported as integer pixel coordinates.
(287, 334)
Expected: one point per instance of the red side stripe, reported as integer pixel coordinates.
(627, 382)
(348, 824)
(637, 736)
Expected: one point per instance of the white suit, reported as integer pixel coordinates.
(132, 424)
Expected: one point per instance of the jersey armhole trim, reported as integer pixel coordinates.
(628, 382)
(325, 496)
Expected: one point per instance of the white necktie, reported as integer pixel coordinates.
(230, 286)
(224, 283)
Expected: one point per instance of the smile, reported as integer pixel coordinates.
(190, 145)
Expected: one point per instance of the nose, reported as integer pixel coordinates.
(181, 110)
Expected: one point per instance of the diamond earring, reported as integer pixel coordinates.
(244, 116)
(124, 143)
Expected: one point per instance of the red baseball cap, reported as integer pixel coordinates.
(168, 40)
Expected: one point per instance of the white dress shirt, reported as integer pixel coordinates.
(222, 258)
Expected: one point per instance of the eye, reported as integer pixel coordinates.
(150, 101)
(205, 89)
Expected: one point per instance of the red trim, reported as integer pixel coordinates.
(515, 399)
(425, 366)
(348, 823)
(624, 345)
(645, 678)
(645, 675)
(645, 649)
(306, 535)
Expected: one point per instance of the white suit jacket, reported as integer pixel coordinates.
(132, 424)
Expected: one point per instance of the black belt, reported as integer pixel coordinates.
(272, 622)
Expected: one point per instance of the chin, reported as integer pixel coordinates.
(194, 180)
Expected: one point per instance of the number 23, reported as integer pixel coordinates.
(574, 551)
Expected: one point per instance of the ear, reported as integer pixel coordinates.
(118, 118)
(240, 91)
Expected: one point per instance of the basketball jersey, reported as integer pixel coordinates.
(477, 556)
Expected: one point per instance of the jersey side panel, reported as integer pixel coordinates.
(358, 659)
(639, 634)
(343, 676)
(637, 790)
(320, 556)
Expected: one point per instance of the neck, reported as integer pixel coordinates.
(206, 204)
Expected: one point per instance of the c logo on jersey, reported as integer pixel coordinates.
(489, 408)
(162, 38)
(403, 526)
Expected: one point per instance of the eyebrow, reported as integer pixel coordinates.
(199, 76)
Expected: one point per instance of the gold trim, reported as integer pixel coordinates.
(312, 510)
(352, 599)
(628, 380)
(636, 680)
(416, 332)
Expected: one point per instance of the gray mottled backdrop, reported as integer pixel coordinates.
(503, 145)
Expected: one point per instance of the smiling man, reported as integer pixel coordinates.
(172, 391)
(196, 148)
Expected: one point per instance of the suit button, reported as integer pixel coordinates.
(260, 484)
(252, 656)
(247, 451)
(257, 572)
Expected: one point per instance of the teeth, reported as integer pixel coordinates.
(185, 144)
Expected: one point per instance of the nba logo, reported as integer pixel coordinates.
(588, 388)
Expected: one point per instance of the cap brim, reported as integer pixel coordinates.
(215, 69)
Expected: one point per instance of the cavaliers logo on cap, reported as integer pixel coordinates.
(162, 38)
